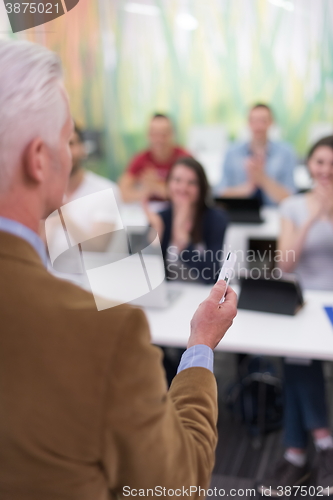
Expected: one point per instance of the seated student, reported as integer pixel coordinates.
(307, 229)
(146, 174)
(83, 183)
(259, 168)
(191, 232)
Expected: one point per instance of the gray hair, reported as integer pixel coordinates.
(31, 101)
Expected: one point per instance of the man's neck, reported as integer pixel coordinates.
(75, 181)
(25, 217)
(259, 143)
(162, 155)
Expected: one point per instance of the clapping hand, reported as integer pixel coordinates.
(152, 184)
(255, 168)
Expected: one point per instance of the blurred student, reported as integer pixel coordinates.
(85, 412)
(260, 167)
(146, 174)
(93, 218)
(307, 230)
(83, 182)
(191, 232)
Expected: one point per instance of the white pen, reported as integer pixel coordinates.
(227, 270)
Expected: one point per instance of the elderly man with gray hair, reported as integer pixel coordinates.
(85, 413)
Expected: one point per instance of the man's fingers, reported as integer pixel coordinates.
(230, 302)
(229, 305)
(217, 291)
(230, 296)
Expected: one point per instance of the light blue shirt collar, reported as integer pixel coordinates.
(18, 229)
(269, 147)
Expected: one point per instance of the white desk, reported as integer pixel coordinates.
(133, 215)
(309, 334)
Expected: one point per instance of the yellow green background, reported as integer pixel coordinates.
(120, 66)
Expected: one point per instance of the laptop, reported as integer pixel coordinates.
(279, 296)
(241, 210)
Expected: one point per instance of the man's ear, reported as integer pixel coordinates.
(35, 160)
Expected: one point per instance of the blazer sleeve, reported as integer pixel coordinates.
(155, 438)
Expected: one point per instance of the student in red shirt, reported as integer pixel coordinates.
(146, 174)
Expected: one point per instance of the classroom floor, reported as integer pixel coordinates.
(239, 462)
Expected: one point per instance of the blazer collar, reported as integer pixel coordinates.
(14, 247)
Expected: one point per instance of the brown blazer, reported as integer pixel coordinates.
(84, 407)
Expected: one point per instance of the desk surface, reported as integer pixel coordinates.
(309, 334)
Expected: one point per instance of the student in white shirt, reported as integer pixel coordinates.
(93, 216)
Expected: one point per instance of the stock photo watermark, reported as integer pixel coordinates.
(120, 275)
(124, 276)
(24, 15)
(161, 491)
(250, 263)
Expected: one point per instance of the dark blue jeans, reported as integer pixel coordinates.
(305, 402)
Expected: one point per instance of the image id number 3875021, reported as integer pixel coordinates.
(31, 8)
(293, 491)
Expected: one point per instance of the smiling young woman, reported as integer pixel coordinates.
(191, 230)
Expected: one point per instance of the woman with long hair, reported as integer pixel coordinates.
(191, 230)
(307, 230)
(191, 234)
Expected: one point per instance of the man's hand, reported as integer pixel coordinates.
(151, 184)
(149, 176)
(212, 320)
(255, 168)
